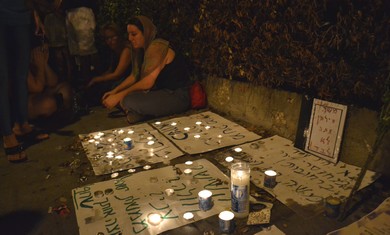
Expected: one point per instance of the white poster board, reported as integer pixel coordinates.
(122, 206)
(204, 132)
(149, 147)
(303, 180)
(326, 129)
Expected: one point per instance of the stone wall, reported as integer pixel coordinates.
(278, 112)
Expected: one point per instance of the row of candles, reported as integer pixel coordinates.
(128, 140)
(240, 182)
(226, 218)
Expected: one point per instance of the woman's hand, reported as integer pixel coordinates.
(112, 100)
(107, 94)
(38, 57)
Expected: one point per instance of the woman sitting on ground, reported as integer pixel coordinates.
(159, 82)
(46, 94)
(119, 69)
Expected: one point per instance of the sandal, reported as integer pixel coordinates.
(16, 150)
(33, 137)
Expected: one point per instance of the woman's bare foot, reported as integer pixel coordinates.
(26, 128)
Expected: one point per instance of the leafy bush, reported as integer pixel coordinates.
(334, 50)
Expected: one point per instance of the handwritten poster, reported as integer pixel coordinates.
(376, 223)
(108, 153)
(204, 132)
(303, 180)
(122, 206)
(326, 129)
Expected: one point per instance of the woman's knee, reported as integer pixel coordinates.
(47, 106)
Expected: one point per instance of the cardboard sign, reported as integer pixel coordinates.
(326, 129)
(108, 153)
(122, 206)
(303, 180)
(204, 132)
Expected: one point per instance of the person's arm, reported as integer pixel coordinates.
(51, 78)
(39, 27)
(36, 82)
(123, 64)
(111, 99)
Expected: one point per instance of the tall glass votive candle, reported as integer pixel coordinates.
(239, 188)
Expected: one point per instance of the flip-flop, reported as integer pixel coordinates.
(16, 150)
(33, 137)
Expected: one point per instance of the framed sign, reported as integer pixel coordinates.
(325, 130)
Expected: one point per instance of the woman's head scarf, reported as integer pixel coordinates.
(147, 59)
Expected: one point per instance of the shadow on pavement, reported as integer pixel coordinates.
(19, 222)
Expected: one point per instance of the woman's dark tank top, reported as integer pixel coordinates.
(174, 75)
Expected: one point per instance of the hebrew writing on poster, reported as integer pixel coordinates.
(326, 129)
(150, 202)
(125, 148)
(303, 180)
(204, 132)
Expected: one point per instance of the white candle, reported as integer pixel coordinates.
(147, 167)
(173, 124)
(188, 163)
(270, 178)
(205, 201)
(240, 176)
(114, 175)
(226, 223)
(187, 171)
(186, 128)
(151, 152)
(229, 159)
(238, 150)
(157, 123)
(196, 136)
(100, 134)
(110, 140)
(119, 157)
(188, 216)
(219, 139)
(130, 132)
(150, 142)
(207, 127)
(198, 122)
(128, 142)
(154, 219)
(169, 191)
(226, 215)
(121, 131)
(91, 141)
